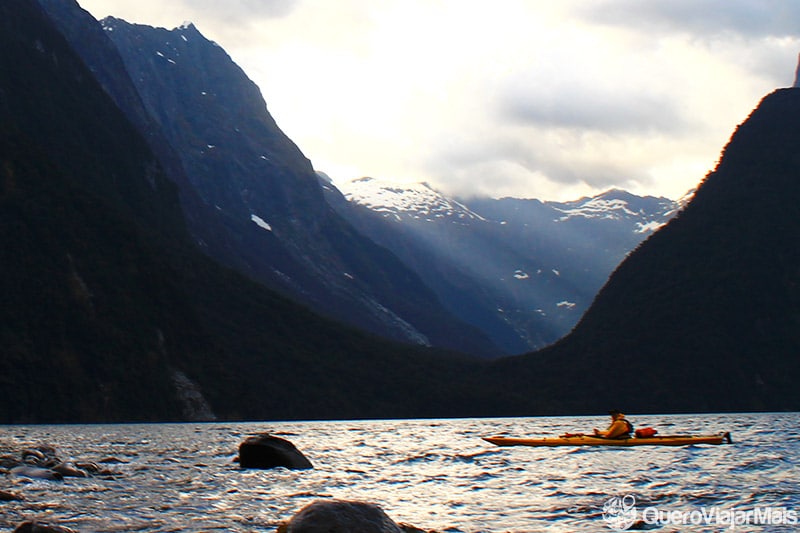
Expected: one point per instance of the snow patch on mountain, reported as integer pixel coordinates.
(405, 200)
(260, 222)
(604, 206)
(644, 227)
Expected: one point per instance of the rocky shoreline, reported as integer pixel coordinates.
(43, 462)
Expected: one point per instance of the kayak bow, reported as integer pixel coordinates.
(591, 440)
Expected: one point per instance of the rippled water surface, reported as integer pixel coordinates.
(435, 474)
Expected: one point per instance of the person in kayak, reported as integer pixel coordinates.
(620, 427)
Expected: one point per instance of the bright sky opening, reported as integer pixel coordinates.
(533, 99)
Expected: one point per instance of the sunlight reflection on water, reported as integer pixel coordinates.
(435, 474)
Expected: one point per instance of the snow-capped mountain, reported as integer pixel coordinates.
(417, 201)
(619, 205)
(522, 270)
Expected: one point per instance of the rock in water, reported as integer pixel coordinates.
(32, 526)
(267, 451)
(35, 472)
(339, 516)
(69, 470)
(6, 496)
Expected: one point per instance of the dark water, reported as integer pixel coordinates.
(435, 474)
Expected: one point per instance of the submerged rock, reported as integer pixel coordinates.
(267, 451)
(35, 472)
(6, 496)
(33, 526)
(340, 516)
(69, 470)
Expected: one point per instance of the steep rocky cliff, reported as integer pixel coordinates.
(280, 231)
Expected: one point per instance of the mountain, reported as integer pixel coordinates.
(251, 198)
(88, 38)
(524, 271)
(704, 315)
(252, 201)
(112, 313)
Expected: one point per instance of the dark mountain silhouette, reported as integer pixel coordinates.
(704, 315)
(111, 312)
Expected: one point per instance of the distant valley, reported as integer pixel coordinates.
(522, 271)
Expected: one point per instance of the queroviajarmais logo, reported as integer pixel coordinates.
(619, 512)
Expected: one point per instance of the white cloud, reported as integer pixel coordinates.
(531, 98)
(704, 19)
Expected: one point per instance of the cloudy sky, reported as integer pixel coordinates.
(530, 98)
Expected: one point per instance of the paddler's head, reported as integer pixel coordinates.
(615, 413)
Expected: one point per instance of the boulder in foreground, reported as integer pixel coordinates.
(340, 516)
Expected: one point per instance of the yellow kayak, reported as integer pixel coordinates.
(591, 440)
